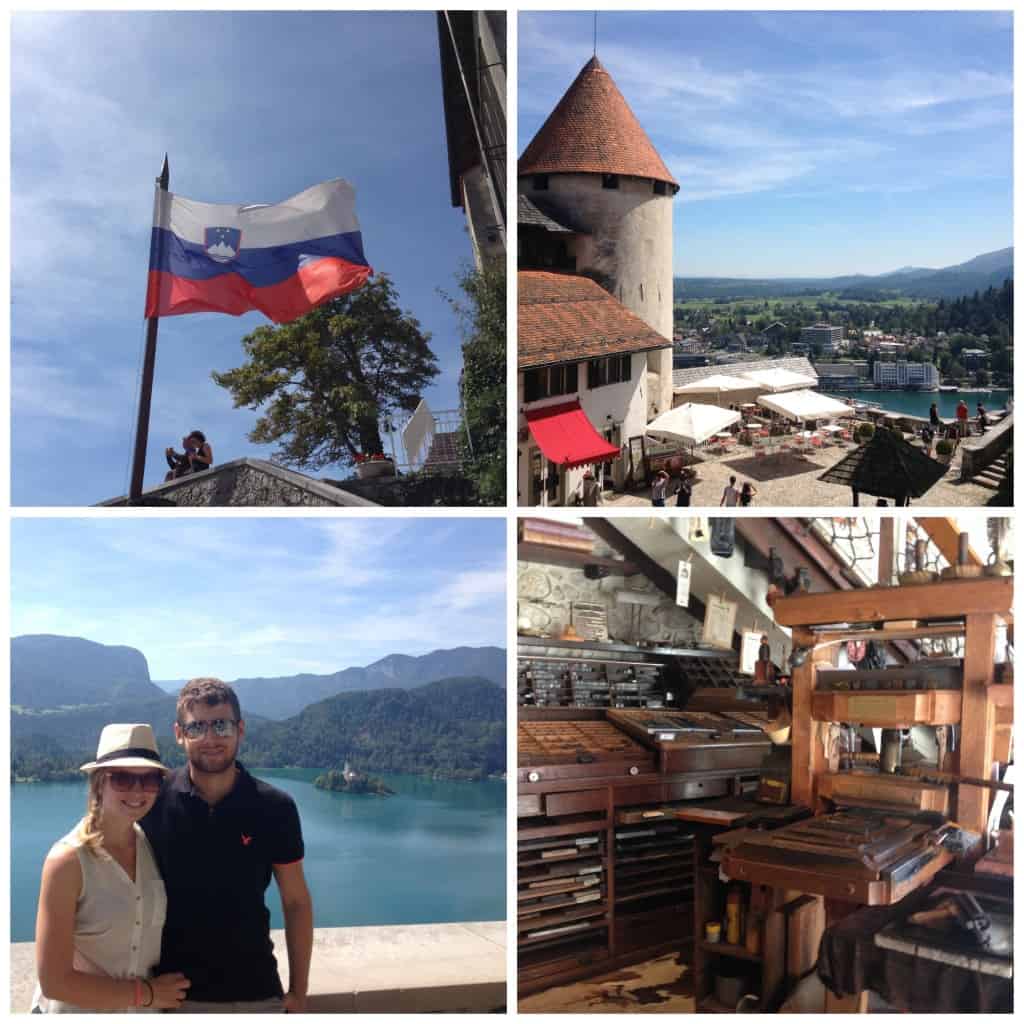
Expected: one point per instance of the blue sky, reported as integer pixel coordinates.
(251, 107)
(248, 596)
(806, 143)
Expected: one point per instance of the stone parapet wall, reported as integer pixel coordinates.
(422, 968)
(978, 453)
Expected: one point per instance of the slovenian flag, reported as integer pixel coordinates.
(283, 260)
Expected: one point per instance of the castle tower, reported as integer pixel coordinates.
(593, 164)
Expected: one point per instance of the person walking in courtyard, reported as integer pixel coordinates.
(659, 488)
(747, 494)
(730, 496)
(685, 493)
(590, 490)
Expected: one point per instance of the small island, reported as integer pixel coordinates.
(348, 780)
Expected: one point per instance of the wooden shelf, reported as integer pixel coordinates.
(727, 949)
(569, 828)
(887, 709)
(919, 633)
(587, 910)
(537, 940)
(612, 647)
(546, 554)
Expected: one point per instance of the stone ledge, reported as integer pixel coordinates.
(416, 968)
(247, 482)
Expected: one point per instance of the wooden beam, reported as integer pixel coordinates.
(945, 533)
(762, 534)
(945, 599)
(807, 755)
(977, 721)
(886, 551)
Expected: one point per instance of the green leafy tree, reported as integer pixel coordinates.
(482, 314)
(326, 380)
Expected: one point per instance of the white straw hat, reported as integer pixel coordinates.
(126, 746)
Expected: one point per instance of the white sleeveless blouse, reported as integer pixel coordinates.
(118, 922)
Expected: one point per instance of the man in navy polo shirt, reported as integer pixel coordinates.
(219, 834)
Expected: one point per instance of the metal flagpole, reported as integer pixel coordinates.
(146, 387)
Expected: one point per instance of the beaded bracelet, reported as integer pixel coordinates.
(138, 994)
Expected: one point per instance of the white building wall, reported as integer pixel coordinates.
(624, 403)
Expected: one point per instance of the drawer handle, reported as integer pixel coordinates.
(533, 777)
(634, 770)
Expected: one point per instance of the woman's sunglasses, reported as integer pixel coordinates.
(125, 782)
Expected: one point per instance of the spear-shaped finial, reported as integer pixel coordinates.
(165, 174)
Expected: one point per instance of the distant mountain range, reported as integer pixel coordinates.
(441, 713)
(989, 269)
(50, 671)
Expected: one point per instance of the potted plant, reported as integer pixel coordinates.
(376, 465)
(865, 432)
(944, 451)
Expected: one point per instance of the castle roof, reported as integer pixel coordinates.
(593, 131)
(564, 318)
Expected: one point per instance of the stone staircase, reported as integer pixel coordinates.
(992, 476)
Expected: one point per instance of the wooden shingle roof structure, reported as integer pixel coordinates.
(886, 467)
(593, 131)
(565, 318)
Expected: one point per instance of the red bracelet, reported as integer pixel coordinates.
(138, 993)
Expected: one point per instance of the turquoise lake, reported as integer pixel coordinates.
(434, 852)
(917, 403)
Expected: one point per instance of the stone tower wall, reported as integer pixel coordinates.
(628, 247)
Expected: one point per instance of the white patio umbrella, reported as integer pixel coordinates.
(718, 384)
(805, 405)
(692, 422)
(779, 379)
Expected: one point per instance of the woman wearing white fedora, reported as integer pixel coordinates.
(102, 902)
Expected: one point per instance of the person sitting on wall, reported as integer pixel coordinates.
(982, 419)
(197, 456)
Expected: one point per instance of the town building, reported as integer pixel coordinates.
(595, 290)
(909, 376)
(826, 337)
(974, 358)
(849, 374)
(583, 385)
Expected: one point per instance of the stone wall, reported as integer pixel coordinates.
(246, 482)
(978, 453)
(546, 591)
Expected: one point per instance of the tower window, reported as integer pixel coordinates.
(540, 182)
(660, 188)
(609, 181)
(641, 292)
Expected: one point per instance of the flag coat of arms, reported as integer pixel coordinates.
(283, 260)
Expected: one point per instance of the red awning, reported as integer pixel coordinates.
(567, 437)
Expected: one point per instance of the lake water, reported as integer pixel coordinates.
(917, 403)
(434, 852)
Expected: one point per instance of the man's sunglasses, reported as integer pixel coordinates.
(125, 782)
(221, 727)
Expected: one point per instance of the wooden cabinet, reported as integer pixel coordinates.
(562, 913)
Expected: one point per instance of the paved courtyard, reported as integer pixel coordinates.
(806, 488)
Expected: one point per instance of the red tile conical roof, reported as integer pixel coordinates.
(593, 131)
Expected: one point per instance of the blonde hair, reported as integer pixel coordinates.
(89, 833)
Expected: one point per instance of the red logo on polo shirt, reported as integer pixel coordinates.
(246, 840)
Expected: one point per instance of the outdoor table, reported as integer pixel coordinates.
(833, 428)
